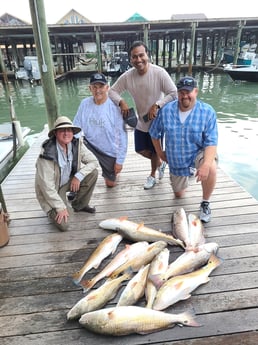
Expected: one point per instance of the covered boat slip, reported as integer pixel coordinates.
(36, 288)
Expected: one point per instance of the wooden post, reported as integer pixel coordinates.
(146, 34)
(2, 68)
(238, 39)
(2, 201)
(190, 67)
(41, 38)
(98, 44)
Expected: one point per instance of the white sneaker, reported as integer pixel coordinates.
(150, 183)
(161, 170)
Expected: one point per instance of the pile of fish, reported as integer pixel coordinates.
(145, 266)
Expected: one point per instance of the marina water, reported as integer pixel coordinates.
(236, 105)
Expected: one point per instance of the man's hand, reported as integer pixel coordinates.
(153, 111)
(75, 185)
(118, 168)
(124, 108)
(62, 216)
(202, 172)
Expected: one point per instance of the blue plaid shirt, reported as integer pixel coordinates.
(183, 141)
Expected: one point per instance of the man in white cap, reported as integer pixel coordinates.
(103, 129)
(64, 165)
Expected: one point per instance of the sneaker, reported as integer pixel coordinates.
(161, 170)
(205, 212)
(150, 183)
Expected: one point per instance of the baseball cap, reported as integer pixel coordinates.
(131, 119)
(186, 83)
(98, 78)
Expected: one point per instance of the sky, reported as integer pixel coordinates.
(102, 11)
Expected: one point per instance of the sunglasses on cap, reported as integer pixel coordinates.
(190, 82)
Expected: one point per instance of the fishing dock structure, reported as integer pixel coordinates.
(36, 289)
(192, 40)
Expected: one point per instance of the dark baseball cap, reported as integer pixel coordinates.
(186, 83)
(98, 78)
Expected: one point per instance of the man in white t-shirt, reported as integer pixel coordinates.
(151, 87)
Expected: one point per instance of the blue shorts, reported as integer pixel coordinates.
(142, 141)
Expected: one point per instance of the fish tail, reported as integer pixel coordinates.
(77, 278)
(128, 274)
(149, 304)
(87, 284)
(157, 280)
(189, 319)
(215, 261)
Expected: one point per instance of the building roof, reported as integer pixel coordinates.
(73, 17)
(9, 20)
(136, 17)
(194, 16)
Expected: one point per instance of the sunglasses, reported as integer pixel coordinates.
(187, 82)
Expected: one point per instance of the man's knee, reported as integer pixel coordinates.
(62, 226)
(91, 178)
(145, 153)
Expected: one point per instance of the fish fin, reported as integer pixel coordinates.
(97, 265)
(191, 248)
(91, 297)
(186, 296)
(215, 261)
(179, 285)
(110, 314)
(140, 225)
(123, 218)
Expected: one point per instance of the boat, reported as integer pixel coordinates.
(85, 62)
(246, 55)
(242, 73)
(118, 64)
(30, 70)
(13, 145)
(13, 142)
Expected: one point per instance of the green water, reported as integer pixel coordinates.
(235, 103)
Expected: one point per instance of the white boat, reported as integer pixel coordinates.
(118, 64)
(12, 145)
(245, 57)
(242, 73)
(30, 70)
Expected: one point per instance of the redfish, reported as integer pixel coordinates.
(105, 248)
(133, 319)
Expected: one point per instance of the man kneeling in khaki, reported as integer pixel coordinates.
(65, 165)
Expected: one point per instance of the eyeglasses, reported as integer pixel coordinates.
(187, 82)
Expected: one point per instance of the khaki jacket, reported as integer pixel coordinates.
(47, 179)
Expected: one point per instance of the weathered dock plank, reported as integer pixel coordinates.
(36, 288)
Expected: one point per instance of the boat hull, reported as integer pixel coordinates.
(243, 75)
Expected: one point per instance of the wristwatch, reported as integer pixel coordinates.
(158, 106)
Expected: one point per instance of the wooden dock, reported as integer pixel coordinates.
(36, 289)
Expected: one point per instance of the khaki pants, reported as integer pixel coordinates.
(81, 200)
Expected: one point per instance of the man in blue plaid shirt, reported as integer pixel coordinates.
(191, 139)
